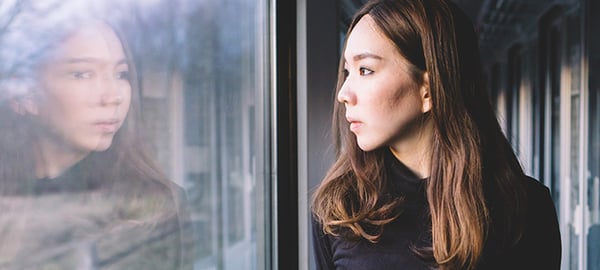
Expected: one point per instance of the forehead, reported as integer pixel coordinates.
(366, 37)
(93, 40)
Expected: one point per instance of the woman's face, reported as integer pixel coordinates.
(84, 90)
(384, 105)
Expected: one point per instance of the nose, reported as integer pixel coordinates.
(346, 95)
(112, 94)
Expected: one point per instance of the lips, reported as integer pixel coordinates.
(354, 124)
(108, 125)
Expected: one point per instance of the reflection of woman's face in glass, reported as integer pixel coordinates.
(84, 90)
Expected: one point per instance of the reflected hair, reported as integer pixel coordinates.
(474, 191)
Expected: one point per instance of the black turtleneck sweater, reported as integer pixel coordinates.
(78, 221)
(539, 247)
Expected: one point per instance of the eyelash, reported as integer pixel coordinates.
(84, 75)
(81, 75)
(363, 71)
(123, 75)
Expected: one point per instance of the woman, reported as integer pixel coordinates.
(79, 191)
(424, 177)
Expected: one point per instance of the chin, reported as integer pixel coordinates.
(101, 149)
(366, 146)
(103, 145)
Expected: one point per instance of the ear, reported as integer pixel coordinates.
(24, 105)
(425, 94)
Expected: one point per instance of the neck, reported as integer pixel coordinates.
(415, 153)
(53, 158)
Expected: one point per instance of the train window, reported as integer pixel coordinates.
(501, 98)
(525, 89)
(593, 190)
(573, 54)
(513, 94)
(593, 202)
(132, 134)
(550, 51)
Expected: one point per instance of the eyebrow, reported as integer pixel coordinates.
(362, 56)
(90, 60)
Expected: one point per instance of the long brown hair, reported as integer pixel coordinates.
(474, 189)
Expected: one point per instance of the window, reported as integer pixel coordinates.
(593, 181)
(202, 98)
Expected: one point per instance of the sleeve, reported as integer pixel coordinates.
(540, 245)
(321, 247)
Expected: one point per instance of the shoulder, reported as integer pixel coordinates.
(540, 239)
(538, 201)
(539, 204)
(535, 188)
(538, 243)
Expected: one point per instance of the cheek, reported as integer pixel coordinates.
(404, 108)
(127, 97)
(64, 102)
(403, 96)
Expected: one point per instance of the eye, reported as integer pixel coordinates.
(123, 75)
(81, 75)
(365, 71)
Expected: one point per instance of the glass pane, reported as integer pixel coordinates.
(524, 88)
(553, 80)
(514, 83)
(132, 134)
(593, 234)
(575, 207)
(593, 192)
